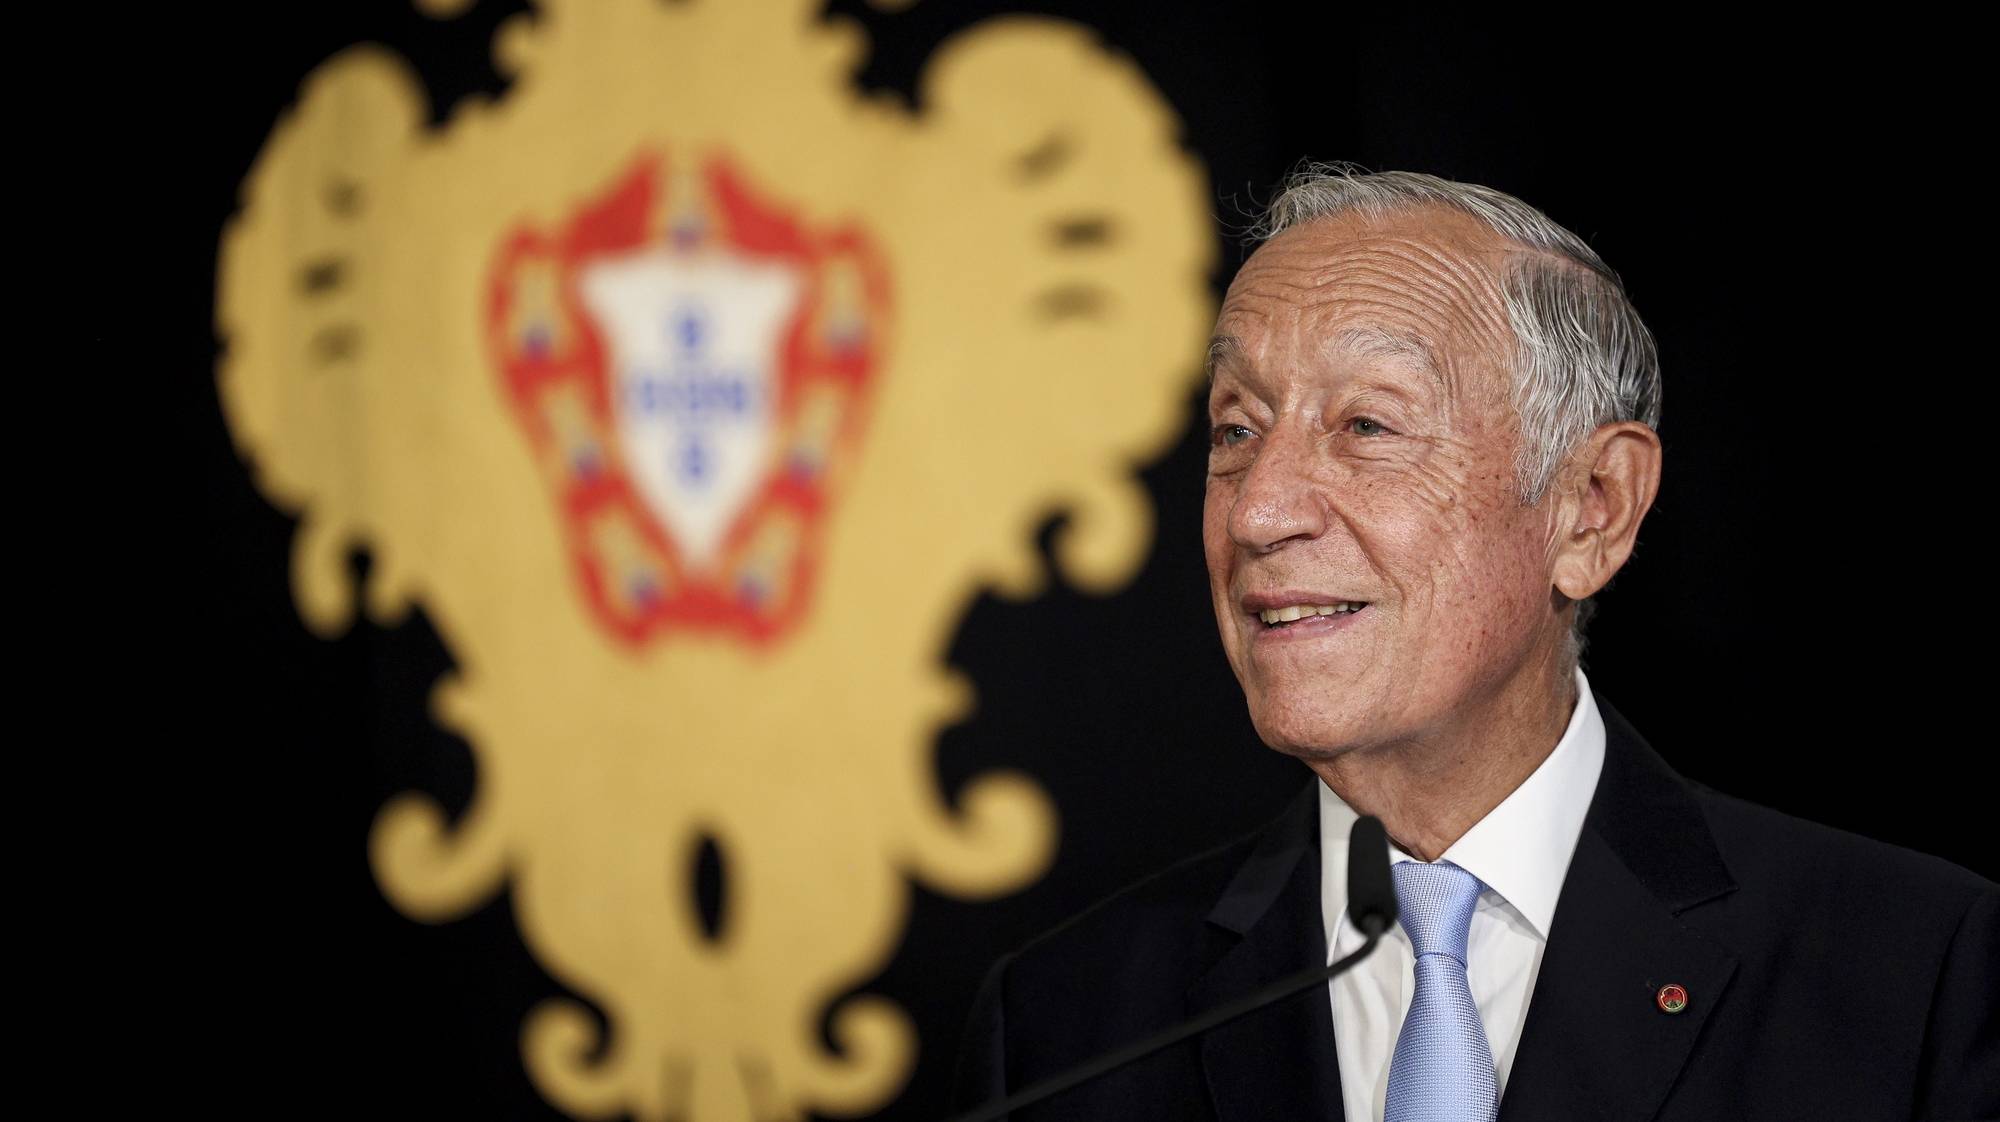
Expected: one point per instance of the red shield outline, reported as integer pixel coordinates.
(553, 364)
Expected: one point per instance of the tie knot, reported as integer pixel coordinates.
(1436, 902)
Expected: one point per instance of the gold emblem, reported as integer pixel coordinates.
(697, 492)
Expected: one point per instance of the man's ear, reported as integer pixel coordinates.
(1605, 491)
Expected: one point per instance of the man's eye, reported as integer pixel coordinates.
(1228, 435)
(1367, 426)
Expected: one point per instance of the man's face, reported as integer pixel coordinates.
(1362, 455)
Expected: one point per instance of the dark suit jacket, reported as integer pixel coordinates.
(1828, 976)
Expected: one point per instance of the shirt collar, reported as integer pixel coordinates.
(1522, 848)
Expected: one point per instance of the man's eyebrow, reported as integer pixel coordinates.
(1219, 348)
(1380, 342)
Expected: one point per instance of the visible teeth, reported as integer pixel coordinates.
(1298, 611)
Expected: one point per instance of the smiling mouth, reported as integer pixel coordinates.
(1278, 618)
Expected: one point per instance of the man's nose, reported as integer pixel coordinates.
(1278, 501)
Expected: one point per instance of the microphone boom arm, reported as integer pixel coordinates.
(1372, 903)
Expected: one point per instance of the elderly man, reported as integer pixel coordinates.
(1433, 442)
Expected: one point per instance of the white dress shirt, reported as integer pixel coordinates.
(1521, 852)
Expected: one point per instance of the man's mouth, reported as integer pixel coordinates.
(1292, 613)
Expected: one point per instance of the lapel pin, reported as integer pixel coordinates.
(1671, 998)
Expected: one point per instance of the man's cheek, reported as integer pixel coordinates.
(1491, 591)
(1217, 500)
(1436, 491)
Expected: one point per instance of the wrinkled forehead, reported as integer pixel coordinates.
(1422, 287)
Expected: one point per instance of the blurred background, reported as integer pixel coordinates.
(554, 824)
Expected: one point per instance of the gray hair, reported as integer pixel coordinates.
(1582, 358)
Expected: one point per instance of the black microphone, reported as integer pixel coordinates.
(1371, 902)
(1371, 890)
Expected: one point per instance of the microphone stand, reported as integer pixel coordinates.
(1138, 1050)
(1372, 904)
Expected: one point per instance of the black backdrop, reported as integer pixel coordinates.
(1803, 625)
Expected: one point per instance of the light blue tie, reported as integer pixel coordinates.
(1443, 1068)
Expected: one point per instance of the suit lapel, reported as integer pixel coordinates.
(1596, 1044)
(1278, 1062)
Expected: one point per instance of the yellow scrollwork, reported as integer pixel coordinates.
(1022, 374)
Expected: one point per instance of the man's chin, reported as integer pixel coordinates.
(1310, 737)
